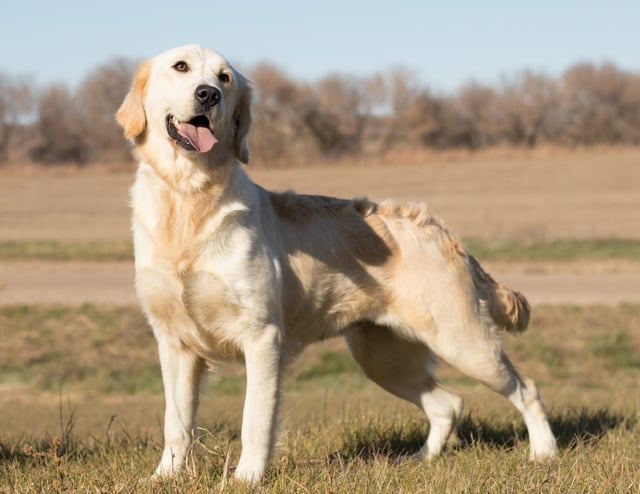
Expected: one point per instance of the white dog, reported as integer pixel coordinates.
(225, 268)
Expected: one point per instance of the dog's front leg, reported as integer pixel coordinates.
(181, 375)
(262, 359)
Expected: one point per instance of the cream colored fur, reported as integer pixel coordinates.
(227, 269)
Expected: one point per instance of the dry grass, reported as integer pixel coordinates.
(586, 194)
(81, 412)
(599, 454)
(80, 391)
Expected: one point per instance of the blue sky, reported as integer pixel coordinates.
(447, 43)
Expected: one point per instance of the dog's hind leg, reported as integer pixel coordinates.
(478, 353)
(181, 375)
(522, 392)
(402, 367)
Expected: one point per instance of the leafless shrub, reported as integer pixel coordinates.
(62, 136)
(79, 126)
(341, 115)
(414, 119)
(531, 109)
(16, 102)
(96, 102)
(472, 117)
(335, 112)
(279, 135)
(602, 104)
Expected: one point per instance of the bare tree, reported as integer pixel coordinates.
(279, 134)
(96, 101)
(16, 101)
(339, 114)
(413, 120)
(531, 110)
(467, 119)
(63, 138)
(603, 104)
(336, 112)
(403, 88)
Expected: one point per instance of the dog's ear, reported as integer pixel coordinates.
(242, 120)
(131, 115)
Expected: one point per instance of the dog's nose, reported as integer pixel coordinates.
(207, 95)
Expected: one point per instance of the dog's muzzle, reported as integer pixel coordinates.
(194, 135)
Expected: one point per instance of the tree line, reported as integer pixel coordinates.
(339, 115)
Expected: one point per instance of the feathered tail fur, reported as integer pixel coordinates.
(508, 308)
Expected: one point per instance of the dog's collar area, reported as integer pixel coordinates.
(194, 135)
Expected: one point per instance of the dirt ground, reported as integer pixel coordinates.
(580, 194)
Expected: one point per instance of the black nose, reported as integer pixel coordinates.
(207, 95)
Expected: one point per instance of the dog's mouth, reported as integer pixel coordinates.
(194, 135)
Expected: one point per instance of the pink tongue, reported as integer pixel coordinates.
(201, 138)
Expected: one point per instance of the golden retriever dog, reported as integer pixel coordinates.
(227, 269)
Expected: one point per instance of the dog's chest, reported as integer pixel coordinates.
(197, 271)
(196, 305)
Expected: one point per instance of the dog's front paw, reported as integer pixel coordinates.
(154, 479)
(250, 472)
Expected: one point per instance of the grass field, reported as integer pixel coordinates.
(81, 400)
(82, 406)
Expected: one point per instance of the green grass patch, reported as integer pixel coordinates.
(617, 349)
(228, 385)
(104, 349)
(331, 364)
(42, 250)
(516, 250)
(112, 350)
(555, 250)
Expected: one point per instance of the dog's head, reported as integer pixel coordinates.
(192, 99)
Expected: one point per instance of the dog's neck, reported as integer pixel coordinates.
(192, 174)
(173, 208)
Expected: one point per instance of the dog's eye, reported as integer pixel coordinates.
(181, 66)
(224, 78)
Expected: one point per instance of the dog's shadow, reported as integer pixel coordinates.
(570, 428)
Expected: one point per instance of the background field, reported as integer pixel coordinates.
(80, 390)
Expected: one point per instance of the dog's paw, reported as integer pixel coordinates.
(249, 472)
(543, 455)
(154, 479)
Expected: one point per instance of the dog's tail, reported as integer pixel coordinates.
(508, 308)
